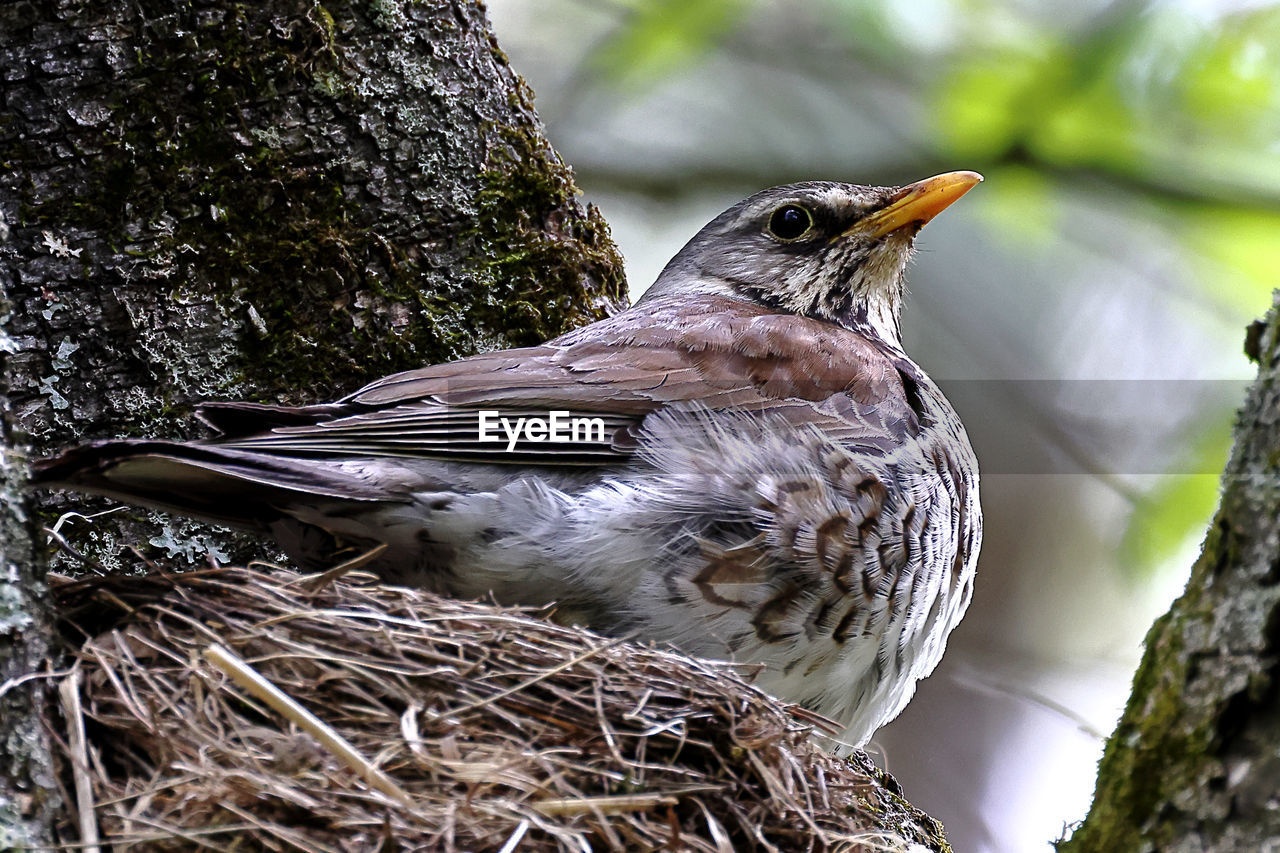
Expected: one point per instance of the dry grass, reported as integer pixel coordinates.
(382, 718)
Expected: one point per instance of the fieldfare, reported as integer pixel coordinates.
(745, 464)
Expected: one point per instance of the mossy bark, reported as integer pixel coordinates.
(1195, 762)
(27, 799)
(270, 201)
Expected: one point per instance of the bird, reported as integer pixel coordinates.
(745, 464)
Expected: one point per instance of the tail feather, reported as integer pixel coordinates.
(235, 420)
(237, 487)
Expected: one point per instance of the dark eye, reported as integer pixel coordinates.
(790, 221)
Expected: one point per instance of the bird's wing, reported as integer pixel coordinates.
(602, 381)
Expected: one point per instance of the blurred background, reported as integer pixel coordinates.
(1084, 308)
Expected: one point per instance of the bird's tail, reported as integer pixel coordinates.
(226, 485)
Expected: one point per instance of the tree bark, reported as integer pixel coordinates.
(1194, 764)
(27, 798)
(275, 202)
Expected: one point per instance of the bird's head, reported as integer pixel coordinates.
(833, 251)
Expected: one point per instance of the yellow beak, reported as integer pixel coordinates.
(916, 203)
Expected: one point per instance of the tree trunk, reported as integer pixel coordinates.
(1195, 762)
(275, 202)
(27, 799)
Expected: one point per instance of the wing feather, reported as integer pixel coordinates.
(720, 354)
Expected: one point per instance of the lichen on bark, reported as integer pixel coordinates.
(28, 794)
(1193, 763)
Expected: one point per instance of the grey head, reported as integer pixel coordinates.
(831, 251)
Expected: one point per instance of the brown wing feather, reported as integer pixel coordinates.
(714, 353)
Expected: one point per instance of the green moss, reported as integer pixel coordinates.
(233, 214)
(1158, 745)
(1137, 771)
(282, 244)
(532, 255)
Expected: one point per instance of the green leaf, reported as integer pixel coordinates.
(1023, 205)
(1243, 253)
(660, 37)
(980, 104)
(1231, 83)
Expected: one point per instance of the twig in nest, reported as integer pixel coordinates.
(604, 805)
(250, 679)
(69, 692)
(315, 583)
(516, 837)
(542, 676)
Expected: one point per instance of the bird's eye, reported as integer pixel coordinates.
(790, 222)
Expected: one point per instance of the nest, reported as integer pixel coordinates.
(242, 709)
